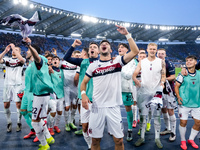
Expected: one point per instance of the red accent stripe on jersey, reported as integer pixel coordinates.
(158, 94)
(106, 70)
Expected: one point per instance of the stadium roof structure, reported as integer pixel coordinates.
(63, 23)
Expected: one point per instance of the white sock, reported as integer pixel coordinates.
(66, 115)
(173, 123)
(193, 134)
(166, 120)
(58, 117)
(7, 114)
(182, 131)
(45, 129)
(39, 133)
(88, 139)
(143, 124)
(157, 126)
(51, 121)
(134, 112)
(138, 114)
(73, 113)
(19, 116)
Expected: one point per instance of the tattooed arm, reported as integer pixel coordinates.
(163, 73)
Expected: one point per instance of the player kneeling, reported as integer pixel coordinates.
(187, 91)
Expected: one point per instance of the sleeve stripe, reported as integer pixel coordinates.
(122, 59)
(88, 75)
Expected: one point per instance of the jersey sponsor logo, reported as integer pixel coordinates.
(107, 70)
(66, 67)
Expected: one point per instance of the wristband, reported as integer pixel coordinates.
(128, 36)
(83, 92)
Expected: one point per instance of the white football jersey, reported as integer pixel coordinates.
(151, 74)
(13, 71)
(106, 77)
(69, 71)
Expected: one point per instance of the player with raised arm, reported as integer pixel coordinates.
(107, 96)
(71, 92)
(12, 83)
(153, 76)
(41, 87)
(84, 63)
(187, 91)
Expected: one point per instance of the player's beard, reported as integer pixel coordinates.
(105, 54)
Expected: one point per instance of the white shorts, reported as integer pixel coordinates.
(142, 99)
(56, 104)
(40, 106)
(79, 101)
(70, 96)
(10, 93)
(111, 116)
(169, 102)
(85, 114)
(184, 111)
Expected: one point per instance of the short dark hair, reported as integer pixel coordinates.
(93, 43)
(76, 51)
(104, 41)
(142, 53)
(49, 55)
(56, 57)
(141, 49)
(192, 57)
(37, 48)
(86, 49)
(123, 44)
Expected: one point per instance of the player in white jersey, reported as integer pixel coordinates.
(71, 92)
(153, 75)
(12, 83)
(107, 98)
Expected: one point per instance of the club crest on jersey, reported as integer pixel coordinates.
(180, 115)
(193, 82)
(90, 131)
(59, 76)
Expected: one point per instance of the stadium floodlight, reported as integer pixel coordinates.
(54, 11)
(108, 22)
(163, 39)
(76, 35)
(46, 9)
(100, 37)
(93, 19)
(86, 18)
(147, 27)
(24, 2)
(31, 6)
(15, 2)
(198, 28)
(127, 24)
(42, 8)
(50, 10)
(163, 28)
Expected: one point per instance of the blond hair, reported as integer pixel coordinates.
(152, 44)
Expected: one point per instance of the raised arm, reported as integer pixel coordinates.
(35, 54)
(17, 53)
(68, 58)
(136, 72)
(7, 49)
(133, 47)
(85, 99)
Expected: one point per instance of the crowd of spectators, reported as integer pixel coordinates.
(175, 53)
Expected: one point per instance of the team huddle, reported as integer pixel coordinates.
(98, 85)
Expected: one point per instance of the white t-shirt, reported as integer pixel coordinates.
(69, 71)
(13, 71)
(151, 74)
(106, 82)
